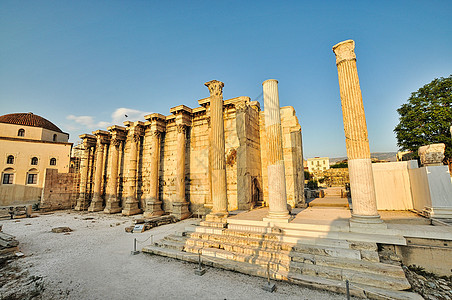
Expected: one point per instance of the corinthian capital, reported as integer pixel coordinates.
(215, 88)
(115, 142)
(181, 128)
(344, 51)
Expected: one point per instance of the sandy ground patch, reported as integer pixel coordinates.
(94, 262)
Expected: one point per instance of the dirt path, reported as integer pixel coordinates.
(94, 262)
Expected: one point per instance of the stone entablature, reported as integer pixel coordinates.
(165, 163)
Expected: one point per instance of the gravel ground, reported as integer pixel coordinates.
(94, 262)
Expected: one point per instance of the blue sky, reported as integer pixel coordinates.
(84, 64)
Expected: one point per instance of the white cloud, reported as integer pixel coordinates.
(117, 118)
(127, 114)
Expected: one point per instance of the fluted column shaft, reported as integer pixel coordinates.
(112, 203)
(277, 196)
(130, 206)
(155, 167)
(180, 166)
(217, 143)
(96, 202)
(356, 139)
(83, 179)
(132, 170)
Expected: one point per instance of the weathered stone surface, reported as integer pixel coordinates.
(61, 229)
(432, 155)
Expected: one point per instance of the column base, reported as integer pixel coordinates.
(130, 209)
(81, 205)
(370, 224)
(218, 217)
(96, 206)
(277, 217)
(180, 210)
(112, 207)
(153, 209)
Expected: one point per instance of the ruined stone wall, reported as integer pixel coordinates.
(59, 191)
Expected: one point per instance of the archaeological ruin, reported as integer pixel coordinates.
(208, 159)
(220, 160)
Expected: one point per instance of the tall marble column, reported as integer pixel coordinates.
(277, 197)
(218, 163)
(153, 203)
(97, 201)
(112, 201)
(130, 206)
(356, 140)
(88, 142)
(183, 120)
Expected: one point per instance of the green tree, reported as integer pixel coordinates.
(427, 117)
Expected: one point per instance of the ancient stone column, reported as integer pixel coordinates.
(153, 203)
(356, 140)
(130, 206)
(97, 201)
(277, 198)
(112, 202)
(219, 187)
(157, 125)
(84, 162)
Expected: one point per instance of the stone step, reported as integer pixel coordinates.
(220, 239)
(276, 245)
(266, 253)
(361, 276)
(213, 224)
(357, 290)
(305, 264)
(351, 264)
(176, 238)
(170, 244)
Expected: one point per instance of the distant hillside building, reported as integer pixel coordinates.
(317, 164)
(29, 144)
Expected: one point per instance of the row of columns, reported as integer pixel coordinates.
(118, 135)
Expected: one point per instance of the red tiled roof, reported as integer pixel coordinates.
(29, 119)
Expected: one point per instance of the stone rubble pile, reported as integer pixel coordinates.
(428, 285)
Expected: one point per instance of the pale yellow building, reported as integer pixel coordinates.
(317, 164)
(29, 144)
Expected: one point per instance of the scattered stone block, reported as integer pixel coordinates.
(61, 229)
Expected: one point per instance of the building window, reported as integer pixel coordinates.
(32, 179)
(21, 132)
(34, 161)
(8, 176)
(54, 137)
(10, 160)
(53, 161)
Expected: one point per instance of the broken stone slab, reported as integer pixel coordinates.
(61, 229)
(432, 155)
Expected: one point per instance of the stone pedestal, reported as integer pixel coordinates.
(88, 142)
(130, 206)
(356, 140)
(276, 174)
(218, 163)
(432, 191)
